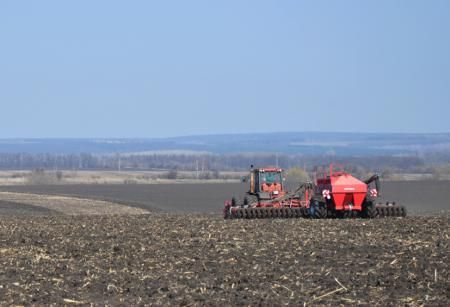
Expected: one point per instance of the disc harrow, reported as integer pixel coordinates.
(390, 210)
(264, 213)
(381, 211)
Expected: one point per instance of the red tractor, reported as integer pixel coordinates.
(334, 194)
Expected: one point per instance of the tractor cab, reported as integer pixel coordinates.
(266, 183)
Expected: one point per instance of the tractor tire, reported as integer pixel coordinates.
(304, 211)
(323, 211)
(331, 214)
(372, 212)
(249, 200)
(369, 210)
(319, 210)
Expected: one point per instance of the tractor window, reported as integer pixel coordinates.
(271, 177)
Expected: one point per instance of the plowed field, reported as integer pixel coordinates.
(131, 245)
(189, 260)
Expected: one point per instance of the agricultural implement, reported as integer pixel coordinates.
(335, 194)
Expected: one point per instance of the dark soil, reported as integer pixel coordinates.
(419, 197)
(192, 259)
(11, 208)
(203, 260)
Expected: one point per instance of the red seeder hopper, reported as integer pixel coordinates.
(334, 194)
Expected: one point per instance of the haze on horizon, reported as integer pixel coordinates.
(170, 68)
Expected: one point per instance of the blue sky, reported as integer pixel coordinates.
(170, 68)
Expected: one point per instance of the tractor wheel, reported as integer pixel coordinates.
(250, 199)
(308, 211)
(331, 213)
(304, 212)
(322, 211)
(372, 212)
(369, 210)
(318, 210)
(338, 214)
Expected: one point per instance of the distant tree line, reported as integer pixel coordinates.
(212, 162)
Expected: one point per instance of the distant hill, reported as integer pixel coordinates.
(306, 143)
